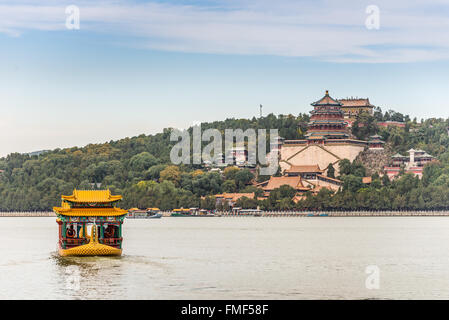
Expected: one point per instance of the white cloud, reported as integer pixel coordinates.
(327, 30)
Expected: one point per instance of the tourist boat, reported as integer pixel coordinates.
(154, 213)
(192, 212)
(205, 213)
(95, 210)
(250, 212)
(136, 213)
(150, 213)
(181, 213)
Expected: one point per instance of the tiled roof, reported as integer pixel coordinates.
(327, 121)
(426, 155)
(276, 182)
(397, 155)
(330, 179)
(305, 168)
(326, 100)
(317, 189)
(320, 134)
(348, 103)
(367, 180)
(235, 196)
(89, 212)
(298, 198)
(91, 196)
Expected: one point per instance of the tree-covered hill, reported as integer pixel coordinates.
(140, 169)
(35, 182)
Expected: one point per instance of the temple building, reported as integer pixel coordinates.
(387, 124)
(375, 142)
(306, 172)
(327, 120)
(239, 156)
(313, 177)
(354, 106)
(302, 181)
(328, 140)
(414, 163)
(276, 182)
(321, 181)
(231, 198)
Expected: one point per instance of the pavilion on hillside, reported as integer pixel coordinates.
(326, 121)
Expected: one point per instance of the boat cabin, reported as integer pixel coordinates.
(89, 223)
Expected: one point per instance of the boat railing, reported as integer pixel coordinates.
(112, 241)
(73, 241)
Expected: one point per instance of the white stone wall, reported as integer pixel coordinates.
(321, 155)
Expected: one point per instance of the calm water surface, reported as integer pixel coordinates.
(235, 258)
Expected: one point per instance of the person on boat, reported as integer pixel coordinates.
(71, 233)
(109, 232)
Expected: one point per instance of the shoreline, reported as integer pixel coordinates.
(434, 213)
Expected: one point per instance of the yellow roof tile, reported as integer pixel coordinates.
(91, 196)
(89, 212)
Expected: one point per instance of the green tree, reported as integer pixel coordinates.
(330, 171)
(243, 178)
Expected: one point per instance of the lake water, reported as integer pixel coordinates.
(234, 258)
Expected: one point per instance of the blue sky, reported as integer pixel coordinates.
(138, 66)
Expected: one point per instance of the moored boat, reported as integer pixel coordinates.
(192, 212)
(181, 213)
(149, 213)
(94, 210)
(136, 213)
(154, 213)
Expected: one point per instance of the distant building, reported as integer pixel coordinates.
(413, 163)
(217, 170)
(231, 198)
(302, 181)
(37, 153)
(354, 106)
(386, 124)
(277, 143)
(327, 121)
(322, 181)
(376, 142)
(239, 155)
(367, 180)
(306, 172)
(327, 141)
(275, 148)
(276, 182)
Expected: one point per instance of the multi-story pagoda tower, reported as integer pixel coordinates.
(327, 120)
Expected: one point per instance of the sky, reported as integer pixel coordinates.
(136, 67)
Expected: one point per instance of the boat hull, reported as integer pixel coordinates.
(191, 215)
(155, 216)
(90, 249)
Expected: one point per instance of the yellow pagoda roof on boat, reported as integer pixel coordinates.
(91, 196)
(89, 212)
